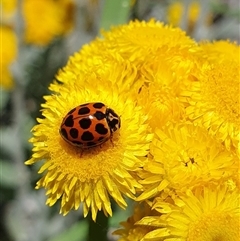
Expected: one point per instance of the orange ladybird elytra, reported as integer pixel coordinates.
(89, 125)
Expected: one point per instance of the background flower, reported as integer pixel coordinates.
(46, 20)
(8, 55)
(8, 8)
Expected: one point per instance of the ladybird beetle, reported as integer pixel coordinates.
(89, 125)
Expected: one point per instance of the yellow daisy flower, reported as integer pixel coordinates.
(183, 157)
(161, 104)
(166, 74)
(119, 46)
(221, 50)
(208, 213)
(46, 19)
(137, 41)
(94, 175)
(133, 232)
(214, 103)
(8, 53)
(87, 64)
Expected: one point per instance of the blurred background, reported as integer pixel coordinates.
(37, 38)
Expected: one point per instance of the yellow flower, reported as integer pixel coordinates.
(167, 73)
(161, 103)
(183, 157)
(159, 55)
(8, 8)
(8, 5)
(175, 13)
(207, 213)
(133, 232)
(221, 50)
(138, 41)
(94, 175)
(213, 100)
(46, 19)
(8, 54)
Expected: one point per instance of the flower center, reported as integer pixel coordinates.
(219, 226)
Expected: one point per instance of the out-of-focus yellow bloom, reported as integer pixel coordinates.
(8, 9)
(175, 13)
(46, 19)
(8, 53)
(8, 6)
(208, 213)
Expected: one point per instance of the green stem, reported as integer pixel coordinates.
(98, 230)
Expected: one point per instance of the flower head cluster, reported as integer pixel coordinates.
(176, 148)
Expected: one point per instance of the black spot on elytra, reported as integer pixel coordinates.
(85, 123)
(98, 105)
(74, 133)
(99, 115)
(101, 129)
(69, 121)
(87, 136)
(110, 111)
(71, 111)
(84, 111)
(114, 122)
(64, 133)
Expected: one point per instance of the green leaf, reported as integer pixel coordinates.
(115, 12)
